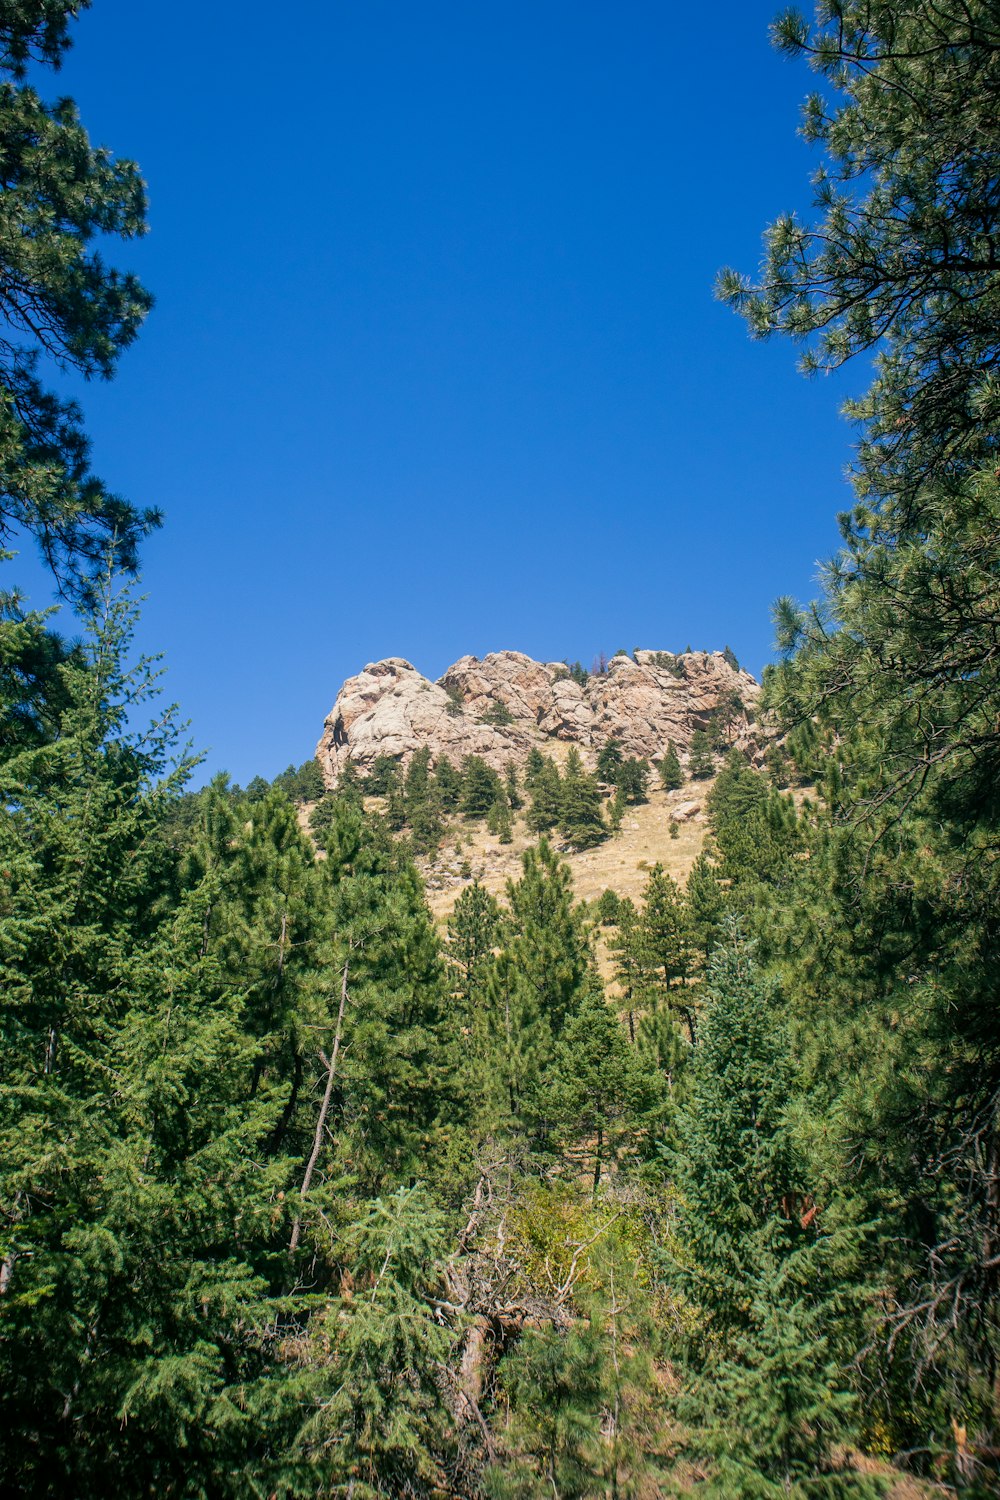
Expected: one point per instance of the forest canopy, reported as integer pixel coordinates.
(305, 1194)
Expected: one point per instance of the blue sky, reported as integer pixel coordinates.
(435, 365)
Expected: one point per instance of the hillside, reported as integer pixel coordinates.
(621, 863)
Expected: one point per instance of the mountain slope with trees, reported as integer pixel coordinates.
(301, 1195)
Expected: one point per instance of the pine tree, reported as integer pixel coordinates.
(448, 783)
(532, 766)
(61, 303)
(903, 139)
(391, 1082)
(665, 933)
(630, 967)
(514, 797)
(766, 1390)
(671, 775)
(706, 905)
(607, 908)
(632, 781)
(378, 1424)
(481, 787)
(608, 761)
(498, 714)
(32, 683)
(557, 1385)
(547, 940)
(581, 821)
(350, 787)
(511, 1047)
(701, 764)
(601, 1090)
(473, 930)
(499, 821)
(756, 830)
(383, 776)
(303, 783)
(422, 803)
(546, 798)
(140, 1213)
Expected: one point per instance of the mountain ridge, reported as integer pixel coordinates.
(505, 704)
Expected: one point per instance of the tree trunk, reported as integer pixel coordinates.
(324, 1111)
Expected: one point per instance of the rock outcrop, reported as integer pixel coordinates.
(506, 703)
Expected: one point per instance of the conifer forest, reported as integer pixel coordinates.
(304, 1193)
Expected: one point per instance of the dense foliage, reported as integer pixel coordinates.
(302, 1194)
(59, 302)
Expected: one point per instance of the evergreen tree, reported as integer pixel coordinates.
(350, 790)
(481, 787)
(601, 1090)
(664, 944)
(671, 775)
(756, 830)
(630, 967)
(422, 803)
(473, 930)
(448, 784)
(545, 808)
(138, 1220)
(497, 714)
(906, 122)
(607, 908)
(303, 783)
(383, 776)
(608, 761)
(700, 761)
(632, 781)
(378, 1424)
(706, 906)
(546, 939)
(391, 1083)
(514, 798)
(665, 927)
(776, 760)
(532, 767)
(511, 1046)
(32, 684)
(767, 1388)
(395, 807)
(581, 821)
(499, 821)
(417, 780)
(61, 303)
(350, 787)
(727, 711)
(557, 1384)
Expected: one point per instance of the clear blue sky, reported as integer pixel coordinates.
(435, 365)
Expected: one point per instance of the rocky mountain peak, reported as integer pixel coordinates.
(504, 704)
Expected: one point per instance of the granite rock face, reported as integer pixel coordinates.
(503, 705)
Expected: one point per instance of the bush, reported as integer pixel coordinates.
(498, 714)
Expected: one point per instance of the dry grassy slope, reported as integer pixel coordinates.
(622, 862)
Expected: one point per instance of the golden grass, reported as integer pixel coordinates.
(622, 863)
